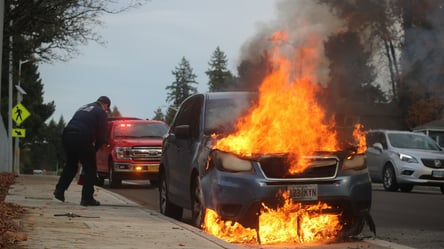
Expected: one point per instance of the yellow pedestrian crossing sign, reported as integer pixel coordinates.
(17, 132)
(19, 113)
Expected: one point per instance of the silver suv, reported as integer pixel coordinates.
(402, 159)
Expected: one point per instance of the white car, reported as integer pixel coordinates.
(402, 159)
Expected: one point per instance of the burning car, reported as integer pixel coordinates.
(205, 169)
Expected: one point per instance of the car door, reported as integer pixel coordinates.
(180, 152)
(374, 156)
(104, 151)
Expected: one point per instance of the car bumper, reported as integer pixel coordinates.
(240, 195)
(138, 171)
(420, 175)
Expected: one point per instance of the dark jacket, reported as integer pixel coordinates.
(90, 123)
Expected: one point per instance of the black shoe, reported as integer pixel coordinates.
(91, 202)
(59, 195)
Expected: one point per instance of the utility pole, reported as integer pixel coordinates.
(10, 103)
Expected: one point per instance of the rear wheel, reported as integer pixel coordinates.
(198, 206)
(114, 181)
(442, 188)
(166, 207)
(389, 178)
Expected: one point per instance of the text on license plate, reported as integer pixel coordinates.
(153, 168)
(438, 174)
(303, 192)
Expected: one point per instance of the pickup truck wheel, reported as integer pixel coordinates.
(114, 182)
(100, 181)
(166, 207)
(154, 183)
(389, 178)
(198, 206)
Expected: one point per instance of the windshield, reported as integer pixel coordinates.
(222, 114)
(140, 130)
(412, 141)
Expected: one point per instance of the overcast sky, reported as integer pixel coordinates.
(145, 45)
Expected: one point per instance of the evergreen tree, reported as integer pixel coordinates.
(220, 78)
(181, 87)
(115, 112)
(33, 101)
(350, 72)
(158, 115)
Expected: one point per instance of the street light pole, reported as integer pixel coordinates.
(19, 99)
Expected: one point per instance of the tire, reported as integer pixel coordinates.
(100, 181)
(166, 207)
(114, 181)
(407, 188)
(389, 178)
(197, 204)
(353, 228)
(154, 183)
(442, 188)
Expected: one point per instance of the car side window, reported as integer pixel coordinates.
(189, 114)
(108, 132)
(376, 137)
(380, 138)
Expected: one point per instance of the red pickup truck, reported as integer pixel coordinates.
(132, 152)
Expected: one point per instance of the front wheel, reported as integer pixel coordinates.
(198, 206)
(114, 181)
(100, 181)
(353, 227)
(166, 207)
(389, 179)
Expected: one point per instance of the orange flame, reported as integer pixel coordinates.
(359, 135)
(286, 119)
(291, 223)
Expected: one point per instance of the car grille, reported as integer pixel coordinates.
(146, 153)
(433, 163)
(319, 167)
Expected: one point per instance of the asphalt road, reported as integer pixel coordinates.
(414, 220)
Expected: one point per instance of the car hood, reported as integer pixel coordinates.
(422, 153)
(138, 141)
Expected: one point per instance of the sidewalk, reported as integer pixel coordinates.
(117, 223)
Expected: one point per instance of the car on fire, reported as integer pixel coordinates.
(132, 151)
(194, 175)
(403, 159)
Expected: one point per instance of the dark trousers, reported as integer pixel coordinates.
(77, 150)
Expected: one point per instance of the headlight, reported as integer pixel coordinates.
(407, 158)
(356, 162)
(230, 162)
(123, 153)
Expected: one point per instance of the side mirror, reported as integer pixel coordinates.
(378, 146)
(182, 131)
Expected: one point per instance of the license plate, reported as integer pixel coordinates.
(438, 174)
(153, 168)
(306, 192)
